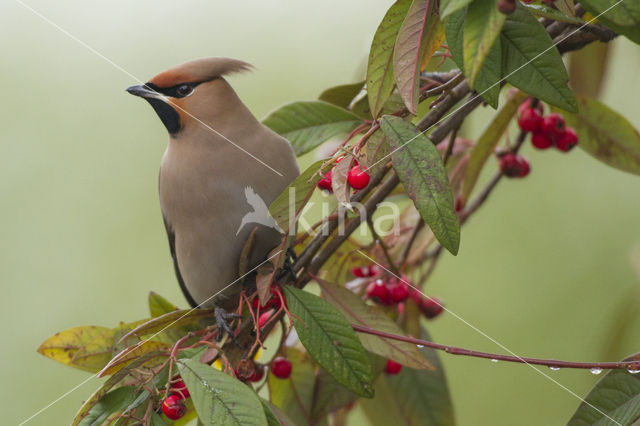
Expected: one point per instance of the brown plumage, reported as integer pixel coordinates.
(217, 149)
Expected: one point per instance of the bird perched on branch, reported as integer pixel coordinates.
(217, 149)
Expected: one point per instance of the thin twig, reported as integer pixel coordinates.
(626, 365)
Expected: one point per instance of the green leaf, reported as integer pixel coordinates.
(274, 419)
(487, 142)
(308, 124)
(111, 403)
(358, 312)
(481, 29)
(87, 348)
(218, 398)
(286, 208)
(158, 305)
(488, 79)
(329, 396)
(132, 353)
(330, 340)
(170, 320)
(380, 79)
(294, 396)
(419, 166)
(449, 7)
(412, 397)
(606, 135)
(408, 52)
(622, 17)
(107, 386)
(617, 395)
(544, 11)
(156, 420)
(567, 7)
(342, 95)
(532, 63)
(454, 31)
(374, 152)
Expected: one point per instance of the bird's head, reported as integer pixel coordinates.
(192, 91)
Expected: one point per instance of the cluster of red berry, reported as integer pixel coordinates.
(393, 291)
(547, 131)
(358, 178)
(173, 406)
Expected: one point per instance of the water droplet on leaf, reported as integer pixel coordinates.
(596, 371)
(554, 368)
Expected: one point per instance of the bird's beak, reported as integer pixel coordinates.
(144, 92)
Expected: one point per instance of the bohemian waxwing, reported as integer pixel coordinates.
(221, 166)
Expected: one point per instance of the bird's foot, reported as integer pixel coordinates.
(287, 272)
(222, 319)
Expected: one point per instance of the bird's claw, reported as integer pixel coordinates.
(222, 318)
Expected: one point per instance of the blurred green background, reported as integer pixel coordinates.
(545, 268)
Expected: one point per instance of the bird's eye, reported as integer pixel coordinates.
(184, 90)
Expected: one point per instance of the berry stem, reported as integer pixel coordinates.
(627, 365)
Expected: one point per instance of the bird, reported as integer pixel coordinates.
(216, 149)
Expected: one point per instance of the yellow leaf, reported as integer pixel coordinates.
(63, 346)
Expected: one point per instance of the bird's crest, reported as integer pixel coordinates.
(199, 70)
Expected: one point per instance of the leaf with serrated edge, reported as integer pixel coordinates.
(294, 396)
(487, 142)
(419, 166)
(481, 29)
(407, 52)
(308, 124)
(301, 188)
(380, 81)
(412, 397)
(617, 397)
(330, 340)
(606, 135)
(218, 398)
(532, 63)
(360, 313)
(275, 416)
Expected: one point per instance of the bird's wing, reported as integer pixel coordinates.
(172, 247)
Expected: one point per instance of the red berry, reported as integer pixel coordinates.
(540, 140)
(257, 376)
(397, 292)
(366, 271)
(458, 204)
(179, 388)
(416, 296)
(377, 290)
(553, 125)
(281, 367)
(506, 6)
(530, 120)
(393, 367)
(527, 1)
(431, 307)
(514, 166)
(358, 178)
(325, 182)
(264, 317)
(567, 140)
(173, 407)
